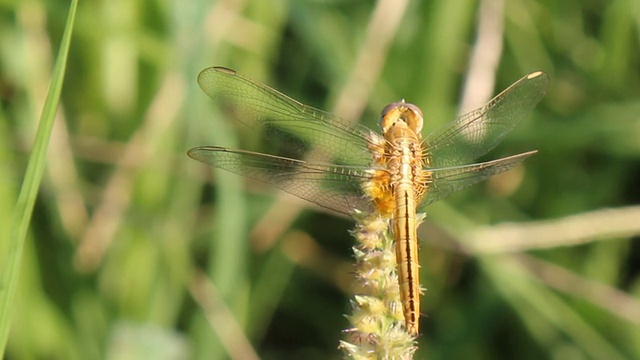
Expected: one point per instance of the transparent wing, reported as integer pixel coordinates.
(299, 131)
(337, 188)
(475, 133)
(294, 129)
(445, 182)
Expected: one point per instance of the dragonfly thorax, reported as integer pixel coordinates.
(401, 112)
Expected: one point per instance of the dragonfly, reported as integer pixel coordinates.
(319, 157)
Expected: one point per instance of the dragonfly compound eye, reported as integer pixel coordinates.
(395, 112)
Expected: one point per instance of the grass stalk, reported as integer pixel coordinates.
(377, 322)
(33, 176)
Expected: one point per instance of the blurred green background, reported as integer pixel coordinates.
(137, 251)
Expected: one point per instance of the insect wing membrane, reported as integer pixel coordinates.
(333, 187)
(295, 130)
(472, 135)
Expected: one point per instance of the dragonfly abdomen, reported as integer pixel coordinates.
(406, 238)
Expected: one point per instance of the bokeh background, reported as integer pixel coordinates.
(137, 251)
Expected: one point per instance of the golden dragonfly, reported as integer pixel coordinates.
(318, 157)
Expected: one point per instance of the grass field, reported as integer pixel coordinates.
(135, 251)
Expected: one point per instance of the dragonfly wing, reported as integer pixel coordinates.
(475, 133)
(445, 182)
(297, 130)
(334, 187)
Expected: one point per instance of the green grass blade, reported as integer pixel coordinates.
(26, 200)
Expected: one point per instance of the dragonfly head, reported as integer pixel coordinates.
(401, 112)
